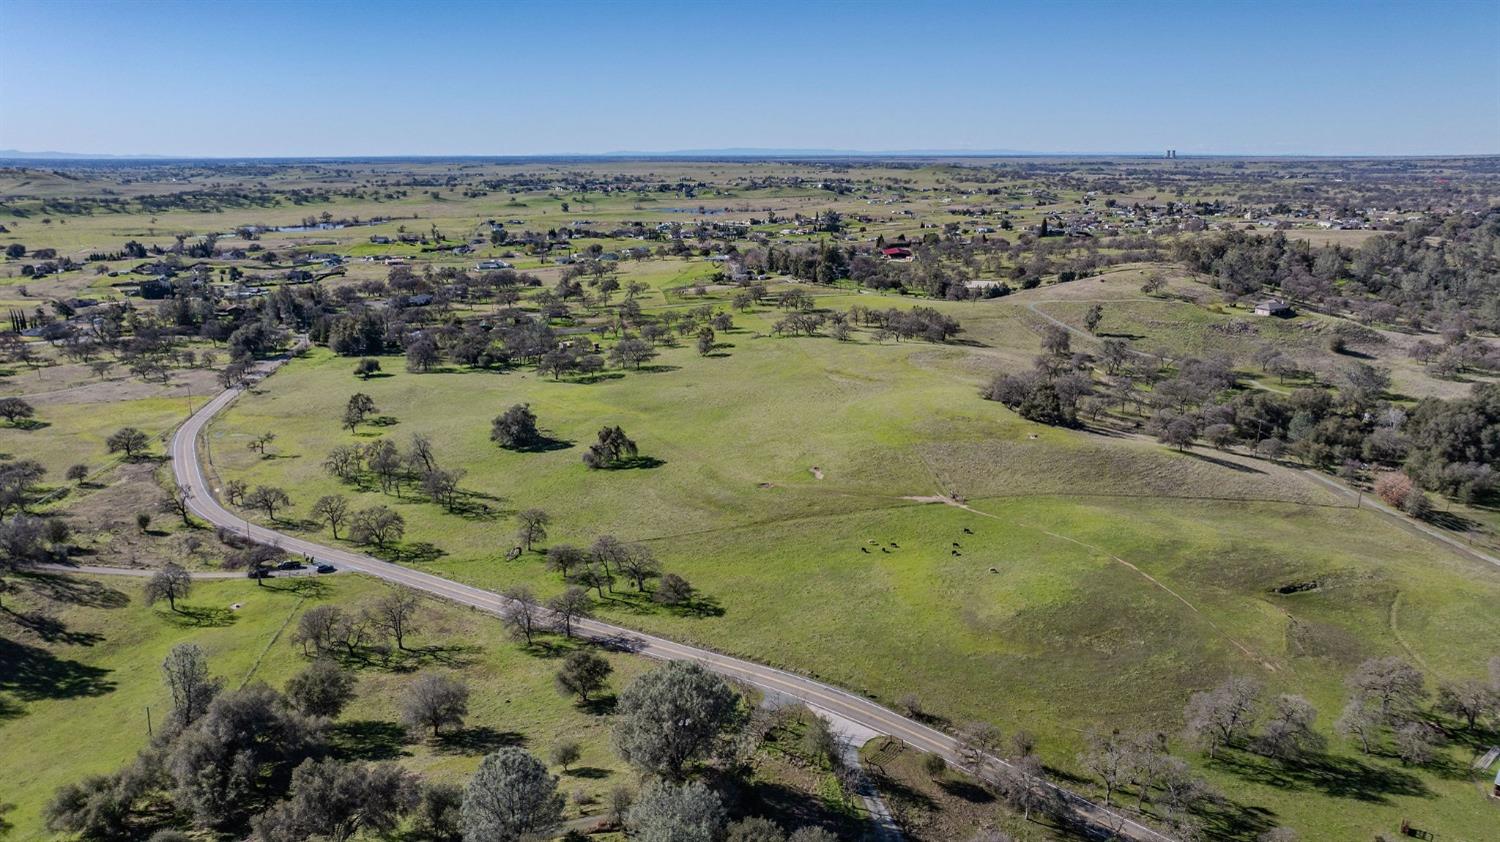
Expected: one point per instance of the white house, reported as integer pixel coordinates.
(1274, 307)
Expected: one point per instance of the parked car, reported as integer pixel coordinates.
(258, 573)
(290, 565)
(327, 568)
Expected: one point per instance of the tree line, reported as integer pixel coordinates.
(259, 761)
(1446, 446)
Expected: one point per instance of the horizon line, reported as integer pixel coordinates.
(747, 153)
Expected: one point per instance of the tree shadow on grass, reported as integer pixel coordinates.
(1479, 738)
(591, 773)
(966, 790)
(451, 655)
(699, 606)
(590, 379)
(543, 444)
(9, 710)
(199, 617)
(1223, 463)
(367, 739)
(599, 705)
(416, 552)
(1063, 776)
(1226, 819)
(547, 648)
(635, 603)
(1452, 521)
(1339, 777)
(635, 463)
(641, 603)
(51, 629)
(469, 507)
(303, 586)
(31, 673)
(480, 739)
(795, 808)
(1444, 767)
(75, 591)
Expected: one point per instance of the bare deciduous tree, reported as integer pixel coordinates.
(171, 583)
(1289, 731)
(977, 742)
(523, 614)
(433, 701)
(1391, 684)
(1108, 756)
(332, 509)
(532, 527)
(569, 606)
(1224, 715)
(395, 613)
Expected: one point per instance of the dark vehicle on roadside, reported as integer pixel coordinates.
(327, 568)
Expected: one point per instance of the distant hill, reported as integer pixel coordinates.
(17, 154)
(775, 152)
(727, 152)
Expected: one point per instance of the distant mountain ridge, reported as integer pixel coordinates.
(776, 152)
(17, 154)
(726, 152)
(732, 152)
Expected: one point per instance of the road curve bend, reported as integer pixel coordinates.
(839, 704)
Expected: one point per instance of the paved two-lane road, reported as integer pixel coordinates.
(837, 704)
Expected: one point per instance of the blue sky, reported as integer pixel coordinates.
(275, 78)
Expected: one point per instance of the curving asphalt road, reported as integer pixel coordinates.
(842, 707)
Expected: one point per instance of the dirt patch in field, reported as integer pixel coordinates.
(61, 387)
(816, 472)
(932, 498)
(105, 531)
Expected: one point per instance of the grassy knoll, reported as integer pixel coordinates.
(74, 696)
(737, 437)
(1193, 323)
(1064, 638)
(1098, 584)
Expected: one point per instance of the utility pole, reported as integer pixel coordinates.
(148, 721)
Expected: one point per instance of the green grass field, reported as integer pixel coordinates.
(74, 702)
(1092, 582)
(1125, 576)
